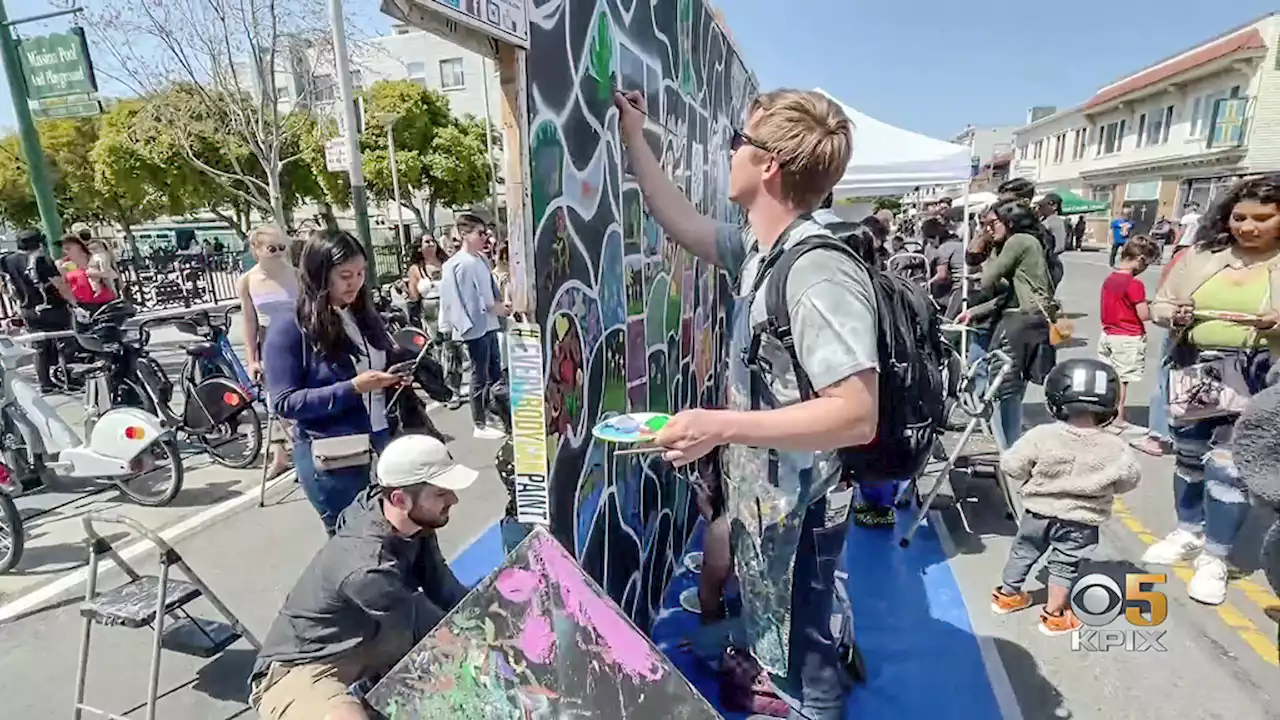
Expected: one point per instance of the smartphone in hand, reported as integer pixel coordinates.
(404, 369)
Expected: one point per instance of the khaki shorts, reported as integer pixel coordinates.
(312, 690)
(1126, 353)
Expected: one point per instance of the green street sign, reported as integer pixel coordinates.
(68, 110)
(56, 65)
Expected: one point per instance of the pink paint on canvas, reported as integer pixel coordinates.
(518, 585)
(537, 639)
(622, 644)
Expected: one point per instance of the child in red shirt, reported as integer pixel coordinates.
(1123, 343)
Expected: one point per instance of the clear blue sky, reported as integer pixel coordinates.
(933, 66)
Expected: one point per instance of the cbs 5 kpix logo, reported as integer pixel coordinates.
(1098, 601)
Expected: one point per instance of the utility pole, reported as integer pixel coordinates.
(37, 168)
(488, 140)
(359, 199)
(390, 121)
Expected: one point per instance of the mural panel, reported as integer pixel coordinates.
(631, 322)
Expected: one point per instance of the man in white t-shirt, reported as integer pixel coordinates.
(1190, 224)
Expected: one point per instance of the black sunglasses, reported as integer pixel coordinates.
(740, 138)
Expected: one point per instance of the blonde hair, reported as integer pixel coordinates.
(811, 138)
(263, 233)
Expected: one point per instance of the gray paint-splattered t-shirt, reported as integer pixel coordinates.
(833, 320)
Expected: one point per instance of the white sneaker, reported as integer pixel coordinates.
(1177, 546)
(488, 433)
(1209, 584)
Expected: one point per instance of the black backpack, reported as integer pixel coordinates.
(912, 392)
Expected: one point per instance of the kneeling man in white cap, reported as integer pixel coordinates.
(376, 588)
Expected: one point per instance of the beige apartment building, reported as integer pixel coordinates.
(1181, 130)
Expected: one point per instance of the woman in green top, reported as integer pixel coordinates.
(1016, 279)
(1233, 267)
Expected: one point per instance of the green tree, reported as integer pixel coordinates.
(892, 204)
(237, 76)
(132, 185)
(17, 201)
(418, 115)
(458, 166)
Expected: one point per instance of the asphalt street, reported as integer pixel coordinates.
(1221, 662)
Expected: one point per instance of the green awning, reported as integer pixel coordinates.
(1073, 204)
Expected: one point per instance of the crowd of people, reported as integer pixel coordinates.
(771, 466)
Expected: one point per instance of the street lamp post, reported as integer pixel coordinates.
(389, 120)
(359, 198)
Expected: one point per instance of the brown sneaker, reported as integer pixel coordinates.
(1003, 603)
(1060, 624)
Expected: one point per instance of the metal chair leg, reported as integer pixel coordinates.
(266, 460)
(153, 682)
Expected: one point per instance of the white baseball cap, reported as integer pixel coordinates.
(417, 459)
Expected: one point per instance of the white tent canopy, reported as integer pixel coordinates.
(891, 161)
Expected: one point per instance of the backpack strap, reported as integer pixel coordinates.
(773, 274)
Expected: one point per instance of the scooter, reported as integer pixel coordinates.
(39, 447)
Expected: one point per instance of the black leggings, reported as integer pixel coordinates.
(1115, 250)
(47, 320)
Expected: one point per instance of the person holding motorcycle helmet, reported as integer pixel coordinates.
(1068, 474)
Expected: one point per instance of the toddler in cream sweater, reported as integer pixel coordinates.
(1068, 473)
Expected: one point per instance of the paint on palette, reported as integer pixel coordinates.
(528, 423)
(538, 638)
(630, 322)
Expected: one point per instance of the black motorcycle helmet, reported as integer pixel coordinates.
(1083, 384)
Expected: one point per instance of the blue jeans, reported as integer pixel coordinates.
(486, 369)
(1006, 420)
(331, 491)
(1158, 407)
(818, 678)
(1208, 495)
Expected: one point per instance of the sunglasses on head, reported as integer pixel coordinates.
(274, 248)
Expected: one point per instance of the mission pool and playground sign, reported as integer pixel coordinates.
(59, 74)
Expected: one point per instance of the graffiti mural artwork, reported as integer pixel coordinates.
(630, 322)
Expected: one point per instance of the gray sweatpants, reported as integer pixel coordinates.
(1063, 543)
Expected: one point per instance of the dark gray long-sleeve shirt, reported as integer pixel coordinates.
(367, 576)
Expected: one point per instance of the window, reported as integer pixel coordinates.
(1153, 126)
(451, 77)
(417, 73)
(1202, 110)
(1111, 138)
(1059, 148)
(325, 89)
(1106, 194)
(1036, 149)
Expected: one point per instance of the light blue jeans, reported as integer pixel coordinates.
(1006, 420)
(1208, 495)
(1158, 407)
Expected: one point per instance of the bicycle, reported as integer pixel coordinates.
(224, 361)
(214, 408)
(122, 447)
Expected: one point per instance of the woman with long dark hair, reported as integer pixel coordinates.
(1221, 302)
(1019, 307)
(326, 371)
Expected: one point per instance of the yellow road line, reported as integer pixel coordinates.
(1262, 643)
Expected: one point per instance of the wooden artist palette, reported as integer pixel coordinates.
(630, 428)
(537, 638)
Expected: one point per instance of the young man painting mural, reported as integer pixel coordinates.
(780, 452)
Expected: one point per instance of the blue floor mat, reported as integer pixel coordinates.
(923, 660)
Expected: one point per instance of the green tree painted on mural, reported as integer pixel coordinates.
(547, 155)
(602, 58)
